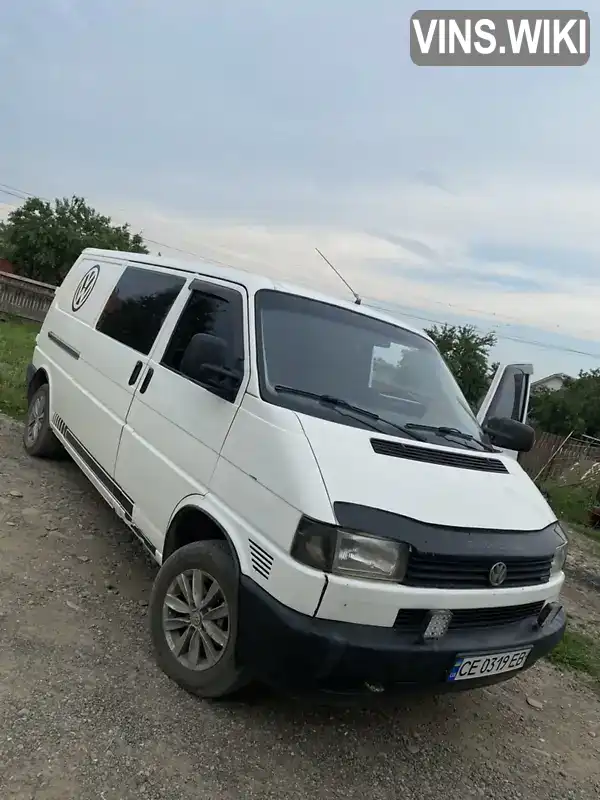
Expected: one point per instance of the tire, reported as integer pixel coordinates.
(38, 438)
(209, 678)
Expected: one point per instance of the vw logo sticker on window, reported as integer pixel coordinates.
(85, 287)
(497, 574)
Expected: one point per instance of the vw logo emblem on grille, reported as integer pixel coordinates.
(85, 287)
(497, 574)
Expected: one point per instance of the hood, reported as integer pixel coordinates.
(429, 492)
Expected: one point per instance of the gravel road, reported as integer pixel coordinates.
(85, 713)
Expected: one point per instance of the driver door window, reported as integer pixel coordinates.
(213, 310)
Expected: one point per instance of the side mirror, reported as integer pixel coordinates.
(207, 360)
(510, 434)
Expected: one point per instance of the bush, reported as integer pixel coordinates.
(571, 503)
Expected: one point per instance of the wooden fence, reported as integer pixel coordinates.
(546, 445)
(25, 298)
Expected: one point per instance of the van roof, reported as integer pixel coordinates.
(252, 280)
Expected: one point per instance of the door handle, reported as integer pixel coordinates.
(146, 381)
(136, 373)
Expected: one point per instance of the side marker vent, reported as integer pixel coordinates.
(59, 424)
(261, 560)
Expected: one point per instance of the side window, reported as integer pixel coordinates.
(212, 310)
(137, 307)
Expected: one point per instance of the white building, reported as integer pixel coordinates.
(551, 382)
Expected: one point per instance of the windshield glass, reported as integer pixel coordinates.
(380, 367)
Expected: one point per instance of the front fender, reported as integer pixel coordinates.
(233, 528)
(291, 583)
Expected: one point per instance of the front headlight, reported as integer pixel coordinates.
(359, 556)
(560, 555)
(559, 560)
(349, 554)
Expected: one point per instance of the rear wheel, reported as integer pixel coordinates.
(38, 437)
(193, 620)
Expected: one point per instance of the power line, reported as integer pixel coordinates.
(22, 194)
(13, 194)
(520, 340)
(18, 191)
(508, 320)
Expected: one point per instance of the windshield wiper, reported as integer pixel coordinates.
(445, 431)
(339, 403)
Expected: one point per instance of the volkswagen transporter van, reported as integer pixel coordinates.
(327, 512)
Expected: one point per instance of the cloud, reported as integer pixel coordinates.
(255, 134)
(5, 209)
(431, 247)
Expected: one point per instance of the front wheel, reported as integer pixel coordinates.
(38, 437)
(193, 619)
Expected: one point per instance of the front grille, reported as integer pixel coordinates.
(431, 455)
(413, 620)
(451, 572)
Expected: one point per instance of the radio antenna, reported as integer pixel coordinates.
(357, 299)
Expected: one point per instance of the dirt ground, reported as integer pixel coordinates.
(85, 713)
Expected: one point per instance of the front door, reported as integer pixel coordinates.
(508, 396)
(176, 427)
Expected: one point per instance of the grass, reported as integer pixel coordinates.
(578, 651)
(17, 340)
(585, 530)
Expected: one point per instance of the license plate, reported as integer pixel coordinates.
(471, 667)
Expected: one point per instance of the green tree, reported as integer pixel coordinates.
(43, 240)
(467, 353)
(575, 407)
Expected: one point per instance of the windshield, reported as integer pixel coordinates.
(323, 349)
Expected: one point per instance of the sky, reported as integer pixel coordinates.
(252, 132)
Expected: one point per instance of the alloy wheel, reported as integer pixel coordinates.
(196, 620)
(35, 419)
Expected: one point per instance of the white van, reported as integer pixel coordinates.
(327, 513)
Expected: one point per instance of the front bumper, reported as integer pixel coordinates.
(298, 654)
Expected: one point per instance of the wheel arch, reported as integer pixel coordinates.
(40, 377)
(192, 523)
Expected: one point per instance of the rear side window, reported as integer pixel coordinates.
(137, 307)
